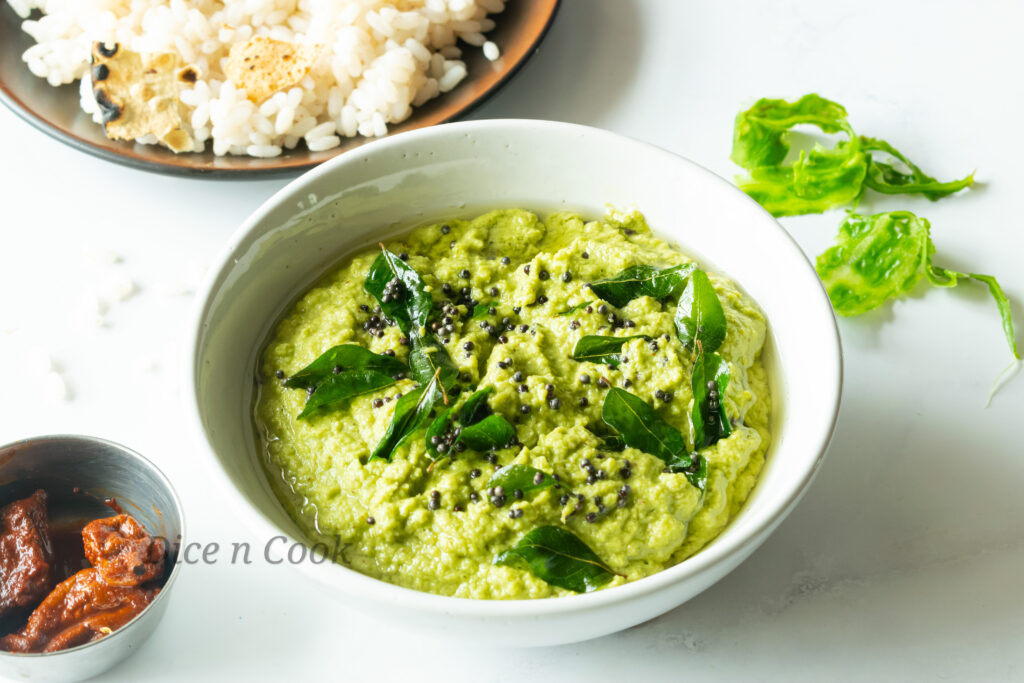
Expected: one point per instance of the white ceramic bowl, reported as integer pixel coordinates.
(459, 170)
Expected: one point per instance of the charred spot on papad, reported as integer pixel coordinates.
(109, 110)
(188, 75)
(263, 66)
(138, 95)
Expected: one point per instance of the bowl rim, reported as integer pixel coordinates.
(370, 589)
(162, 478)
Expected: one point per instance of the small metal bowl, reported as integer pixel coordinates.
(78, 473)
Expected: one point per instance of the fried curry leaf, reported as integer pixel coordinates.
(598, 349)
(710, 378)
(611, 442)
(336, 390)
(411, 411)
(428, 358)
(557, 556)
(471, 424)
(699, 315)
(882, 256)
(697, 472)
(760, 135)
(575, 309)
(400, 291)
(339, 359)
(819, 179)
(609, 439)
(437, 430)
(482, 309)
(342, 373)
(887, 179)
(642, 428)
(524, 478)
(490, 433)
(875, 258)
(642, 280)
(475, 408)
(691, 465)
(943, 277)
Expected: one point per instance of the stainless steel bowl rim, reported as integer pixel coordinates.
(177, 504)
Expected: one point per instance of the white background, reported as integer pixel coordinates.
(905, 561)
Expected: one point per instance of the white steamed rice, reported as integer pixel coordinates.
(381, 58)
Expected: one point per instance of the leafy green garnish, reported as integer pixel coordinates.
(598, 349)
(611, 442)
(557, 556)
(817, 180)
(943, 277)
(697, 473)
(820, 178)
(400, 291)
(340, 359)
(875, 258)
(337, 390)
(403, 297)
(428, 358)
(342, 373)
(523, 477)
(760, 138)
(477, 427)
(411, 411)
(642, 280)
(880, 257)
(437, 430)
(710, 423)
(575, 309)
(609, 439)
(700, 316)
(475, 408)
(482, 309)
(493, 431)
(642, 428)
(887, 179)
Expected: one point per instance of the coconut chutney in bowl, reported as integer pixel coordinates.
(318, 434)
(548, 334)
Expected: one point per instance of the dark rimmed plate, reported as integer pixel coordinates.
(55, 111)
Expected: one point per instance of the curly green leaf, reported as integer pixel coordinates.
(557, 556)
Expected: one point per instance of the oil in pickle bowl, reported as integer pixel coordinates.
(81, 517)
(418, 202)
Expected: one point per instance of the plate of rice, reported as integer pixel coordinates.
(244, 87)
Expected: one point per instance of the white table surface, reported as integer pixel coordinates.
(905, 561)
